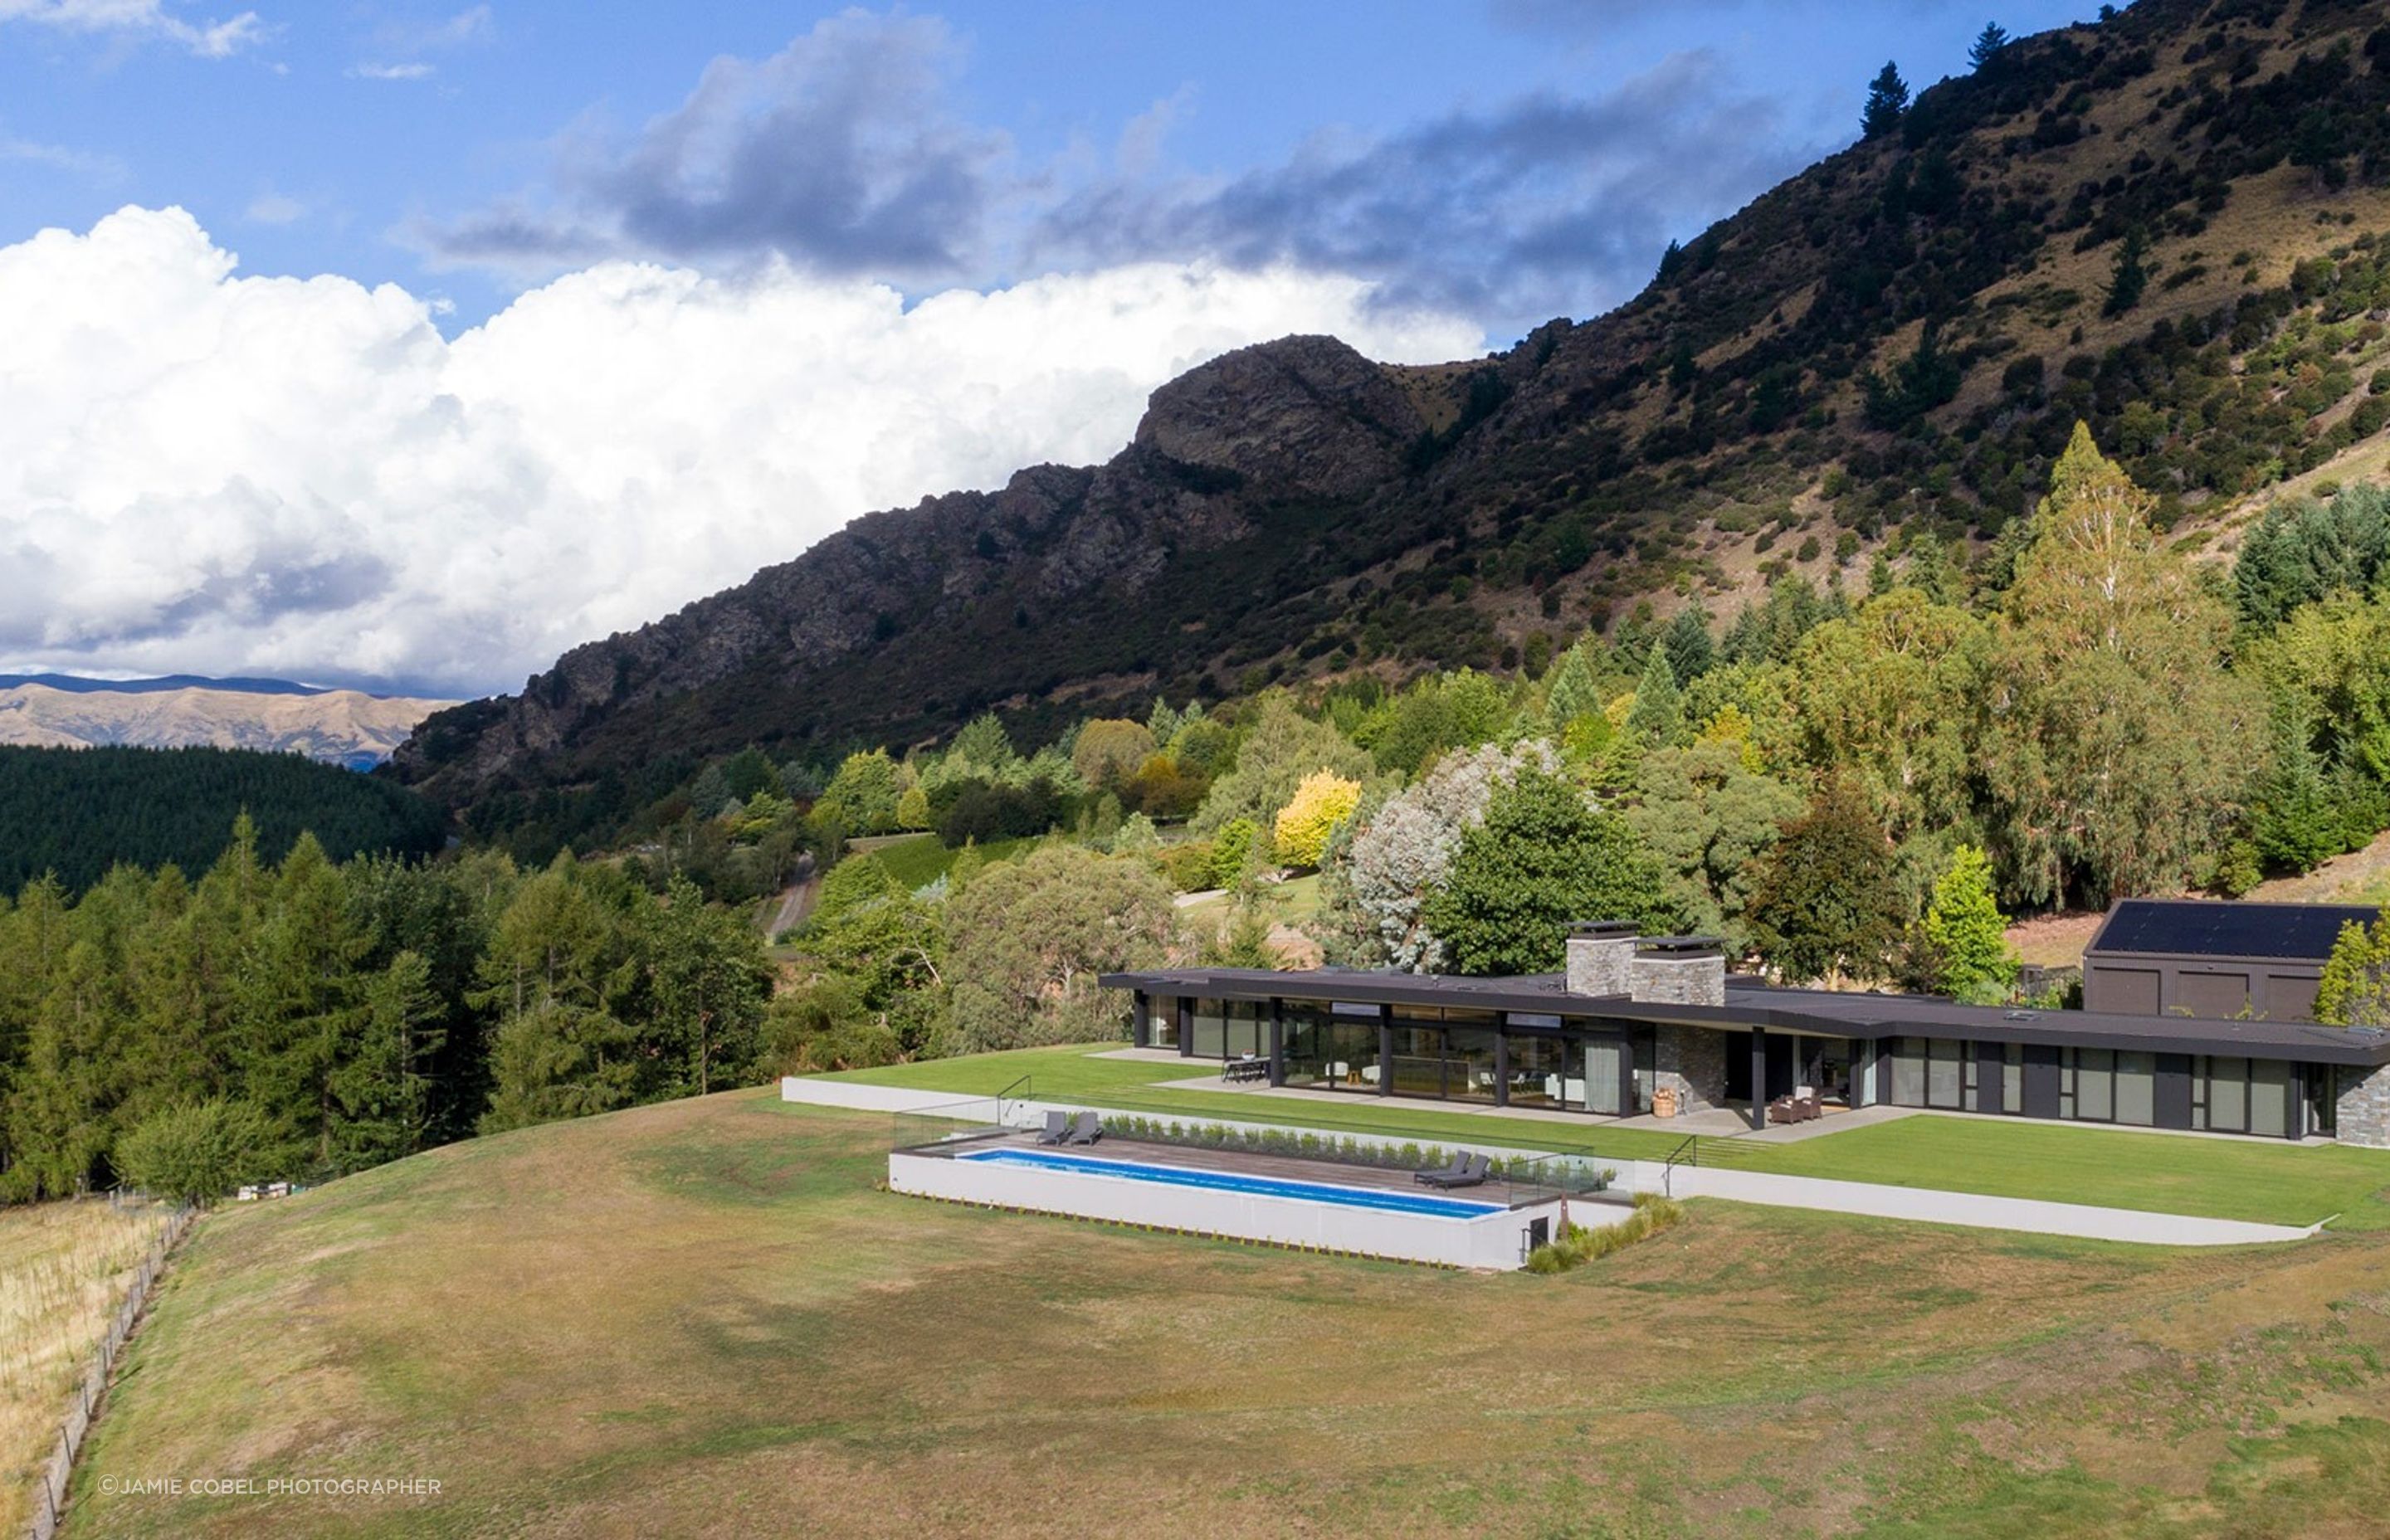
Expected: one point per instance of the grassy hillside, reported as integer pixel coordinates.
(702, 1319)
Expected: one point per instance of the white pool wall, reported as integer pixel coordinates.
(1492, 1241)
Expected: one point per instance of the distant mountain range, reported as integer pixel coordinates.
(338, 726)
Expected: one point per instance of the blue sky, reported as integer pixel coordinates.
(365, 139)
(408, 346)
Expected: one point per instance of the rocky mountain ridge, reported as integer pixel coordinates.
(1890, 345)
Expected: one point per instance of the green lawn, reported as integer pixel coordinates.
(921, 860)
(2270, 1183)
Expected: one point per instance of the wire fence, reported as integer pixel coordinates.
(49, 1504)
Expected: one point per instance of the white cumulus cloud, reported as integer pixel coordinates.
(210, 39)
(211, 472)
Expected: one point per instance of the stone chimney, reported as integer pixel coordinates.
(1675, 971)
(1599, 953)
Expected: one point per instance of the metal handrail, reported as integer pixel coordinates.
(1026, 1085)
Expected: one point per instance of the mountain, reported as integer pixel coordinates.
(2164, 225)
(79, 685)
(339, 726)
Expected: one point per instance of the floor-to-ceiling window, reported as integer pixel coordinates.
(1248, 1029)
(1539, 1070)
(1162, 1021)
(1304, 1041)
(1471, 1063)
(1417, 1068)
(2232, 1094)
(1207, 1030)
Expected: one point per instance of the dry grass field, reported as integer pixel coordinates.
(703, 1319)
(64, 1269)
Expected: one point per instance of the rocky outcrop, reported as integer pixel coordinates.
(1305, 418)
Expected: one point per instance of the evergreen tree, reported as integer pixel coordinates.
(1988, 45)
(1887, 101)
(708, 982)
(2130, 277)
(2295, 821)
(1571, 690)
(1687, 641)
(1966, 931)
(1659, 712)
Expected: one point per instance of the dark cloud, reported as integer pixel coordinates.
(841, 155)
(838, 153)
(1549, 205)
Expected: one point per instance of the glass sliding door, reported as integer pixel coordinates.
(1908, 1072)
(2272, 1083)
(1304, 1034)
(1207, 1035)
(1248, 1029)
(1417, 1067)
(1471, 1066)
(1536, 1061)
(2095, 1085)
(2136, 1080)
(1944, 1077)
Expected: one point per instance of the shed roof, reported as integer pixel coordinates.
(2214, 927)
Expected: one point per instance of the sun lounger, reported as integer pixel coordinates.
(1458, 1167)
(1057, 1128)
(1086, 1128)
(1473, 1171)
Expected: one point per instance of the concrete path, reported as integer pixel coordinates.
(1923, 1205)
(1976, 1209)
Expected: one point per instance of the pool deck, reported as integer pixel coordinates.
(1286, 1168)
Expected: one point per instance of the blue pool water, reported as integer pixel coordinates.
(1260, 1187)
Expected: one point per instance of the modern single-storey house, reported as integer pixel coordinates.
(1632, 1016)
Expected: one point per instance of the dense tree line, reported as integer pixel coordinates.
(73, 813)
(304, 1018)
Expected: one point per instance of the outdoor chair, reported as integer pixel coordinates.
(1458, 1167)
(1086, 1128)
(1057, 1128)
(1473, 1170)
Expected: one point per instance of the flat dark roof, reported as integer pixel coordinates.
(2217, 928)
(1752, 1004)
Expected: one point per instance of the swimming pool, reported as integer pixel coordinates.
(1419, 1203)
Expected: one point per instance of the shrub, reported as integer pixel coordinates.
(1578, 1245)
(195, 1154)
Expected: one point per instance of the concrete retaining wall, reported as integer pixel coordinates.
(1491, 1242)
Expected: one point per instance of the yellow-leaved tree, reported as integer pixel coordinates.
(1324, 800)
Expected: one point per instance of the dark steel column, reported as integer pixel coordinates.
(1185, 1027)
(1758, 1077)
(1140, 1019)
(1385, 1050)
(1501, 1067)
(1277, 1041)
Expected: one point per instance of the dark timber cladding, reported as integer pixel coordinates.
(2213, 959)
